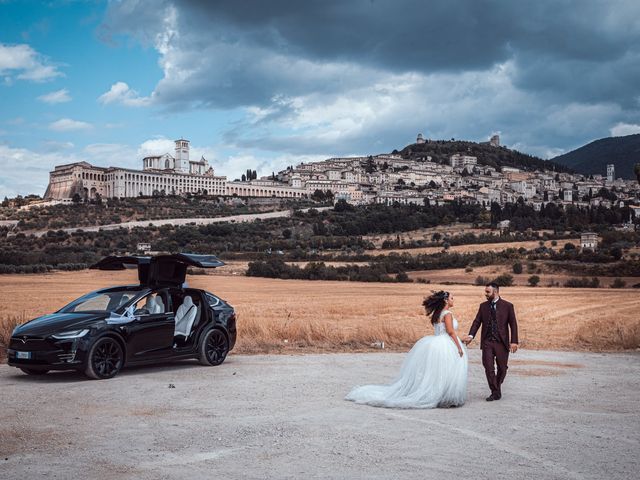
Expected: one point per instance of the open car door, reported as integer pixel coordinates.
(113, 262)
(162, 270)
(171, 270)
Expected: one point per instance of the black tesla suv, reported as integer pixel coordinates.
(158, 320)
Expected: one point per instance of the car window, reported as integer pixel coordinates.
(151, 304)
(101, 301)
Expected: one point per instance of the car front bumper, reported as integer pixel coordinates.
(46, 353)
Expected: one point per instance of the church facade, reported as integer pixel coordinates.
(161, 175)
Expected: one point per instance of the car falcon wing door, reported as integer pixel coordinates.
(120, 263)
(171, 270)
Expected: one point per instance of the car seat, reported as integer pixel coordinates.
(150, 305)
(159, 305)
(185, 316)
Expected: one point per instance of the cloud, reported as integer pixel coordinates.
(156, 146)
(336, 77)
(122, 94)
(622, 129)
(67, 125)
(25, 171)
(59, 96)
(58, 146)
(24, 63)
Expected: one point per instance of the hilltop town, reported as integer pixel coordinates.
(378, 179)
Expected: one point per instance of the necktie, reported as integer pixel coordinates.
(494, 321)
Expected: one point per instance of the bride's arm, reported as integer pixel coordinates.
(448, 325)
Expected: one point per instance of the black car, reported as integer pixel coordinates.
(158, 320)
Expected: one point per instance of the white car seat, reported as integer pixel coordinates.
(159, 305)
(185, 316)
(150, 305)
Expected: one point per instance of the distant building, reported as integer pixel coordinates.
(143, 247)
(504, 225)
(462, 161)
(161, 175)
(589, 240)
(611, 172)
(494, 141)
(420, 139)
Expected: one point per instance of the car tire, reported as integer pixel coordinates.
(105, 359)
(33, 371)
(213, 347)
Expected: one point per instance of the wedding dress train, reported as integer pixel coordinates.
(433, 374)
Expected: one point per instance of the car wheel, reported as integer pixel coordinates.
(214, 347)
(33, 371)
(105, 359)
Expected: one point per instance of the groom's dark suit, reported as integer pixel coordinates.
(497, 322)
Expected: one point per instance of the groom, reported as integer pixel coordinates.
(497, 317)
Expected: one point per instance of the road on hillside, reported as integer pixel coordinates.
(247, 217)
(563, 416)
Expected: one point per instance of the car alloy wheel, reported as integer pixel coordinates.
(105, 359)
(214, 348)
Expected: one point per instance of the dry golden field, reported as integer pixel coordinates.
(477, 247)
(290, 315)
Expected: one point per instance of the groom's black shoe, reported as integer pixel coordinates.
(490, 398)
(493, 396)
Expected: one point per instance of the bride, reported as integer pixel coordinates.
(434, 372)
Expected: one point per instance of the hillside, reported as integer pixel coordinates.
(441, 150)
(623, 152)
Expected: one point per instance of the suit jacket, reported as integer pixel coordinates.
(506, 318)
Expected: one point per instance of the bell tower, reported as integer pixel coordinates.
(182, 155)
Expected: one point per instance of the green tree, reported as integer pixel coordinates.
(517, 267)
(369, 165)
(534, 280)
(618, 283)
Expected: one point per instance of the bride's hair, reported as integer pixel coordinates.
(435, 303)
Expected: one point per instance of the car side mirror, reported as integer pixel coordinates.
(141, 311)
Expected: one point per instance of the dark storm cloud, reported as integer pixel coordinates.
(550, 75)
(588, 49)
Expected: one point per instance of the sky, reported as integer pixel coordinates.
(266, 84)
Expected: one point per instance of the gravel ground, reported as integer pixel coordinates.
(563, 416)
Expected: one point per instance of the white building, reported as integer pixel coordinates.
(161, 175)
(589, 240)
(461, 161)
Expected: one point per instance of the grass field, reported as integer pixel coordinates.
(289, 315)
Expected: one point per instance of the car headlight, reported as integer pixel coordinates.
(71, 334)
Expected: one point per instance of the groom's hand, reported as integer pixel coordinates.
(514, 347)
(467, 340)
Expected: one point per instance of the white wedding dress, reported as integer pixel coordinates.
(433, 374)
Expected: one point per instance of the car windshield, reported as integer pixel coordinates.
(102, 301)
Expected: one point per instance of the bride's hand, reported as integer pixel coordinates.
(460, 352)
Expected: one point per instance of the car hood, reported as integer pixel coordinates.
(57, 322)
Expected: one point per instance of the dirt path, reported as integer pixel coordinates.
(563, 416)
